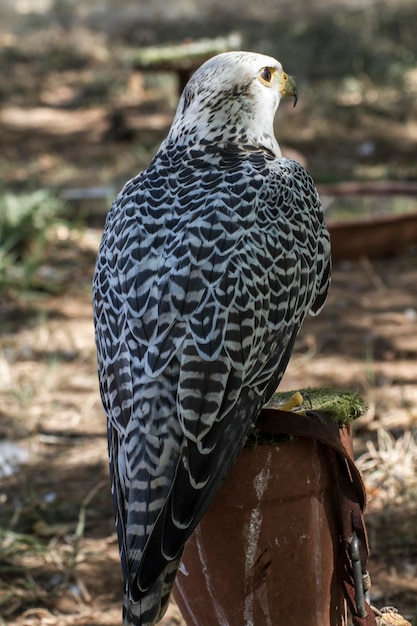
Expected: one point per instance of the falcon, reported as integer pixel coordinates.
(209, 262)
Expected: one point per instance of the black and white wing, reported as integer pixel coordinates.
(208, 265)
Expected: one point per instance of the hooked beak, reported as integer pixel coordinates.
(288, 88)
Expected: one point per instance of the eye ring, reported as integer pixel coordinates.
(266, 75)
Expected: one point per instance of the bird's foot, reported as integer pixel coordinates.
(297, 403)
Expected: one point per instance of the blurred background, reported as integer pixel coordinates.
(87, 92)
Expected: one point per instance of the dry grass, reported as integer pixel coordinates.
(58, 554)
(59, 561)
(390, 469)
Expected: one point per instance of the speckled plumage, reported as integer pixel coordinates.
(209, 262)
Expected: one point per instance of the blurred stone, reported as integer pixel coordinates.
(11, 458)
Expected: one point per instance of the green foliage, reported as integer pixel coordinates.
(24, 223)
(343, 407)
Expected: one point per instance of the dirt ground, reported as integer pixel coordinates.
(65, 569)
(58, 552)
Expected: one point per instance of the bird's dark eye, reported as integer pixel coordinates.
(266, 75)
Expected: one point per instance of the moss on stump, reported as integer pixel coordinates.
(343, 407)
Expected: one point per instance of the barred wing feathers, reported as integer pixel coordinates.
(206, 271)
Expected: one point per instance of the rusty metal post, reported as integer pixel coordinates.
(266, 551)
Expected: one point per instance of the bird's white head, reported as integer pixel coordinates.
(233, 98)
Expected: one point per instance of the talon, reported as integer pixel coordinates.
(295, 403)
